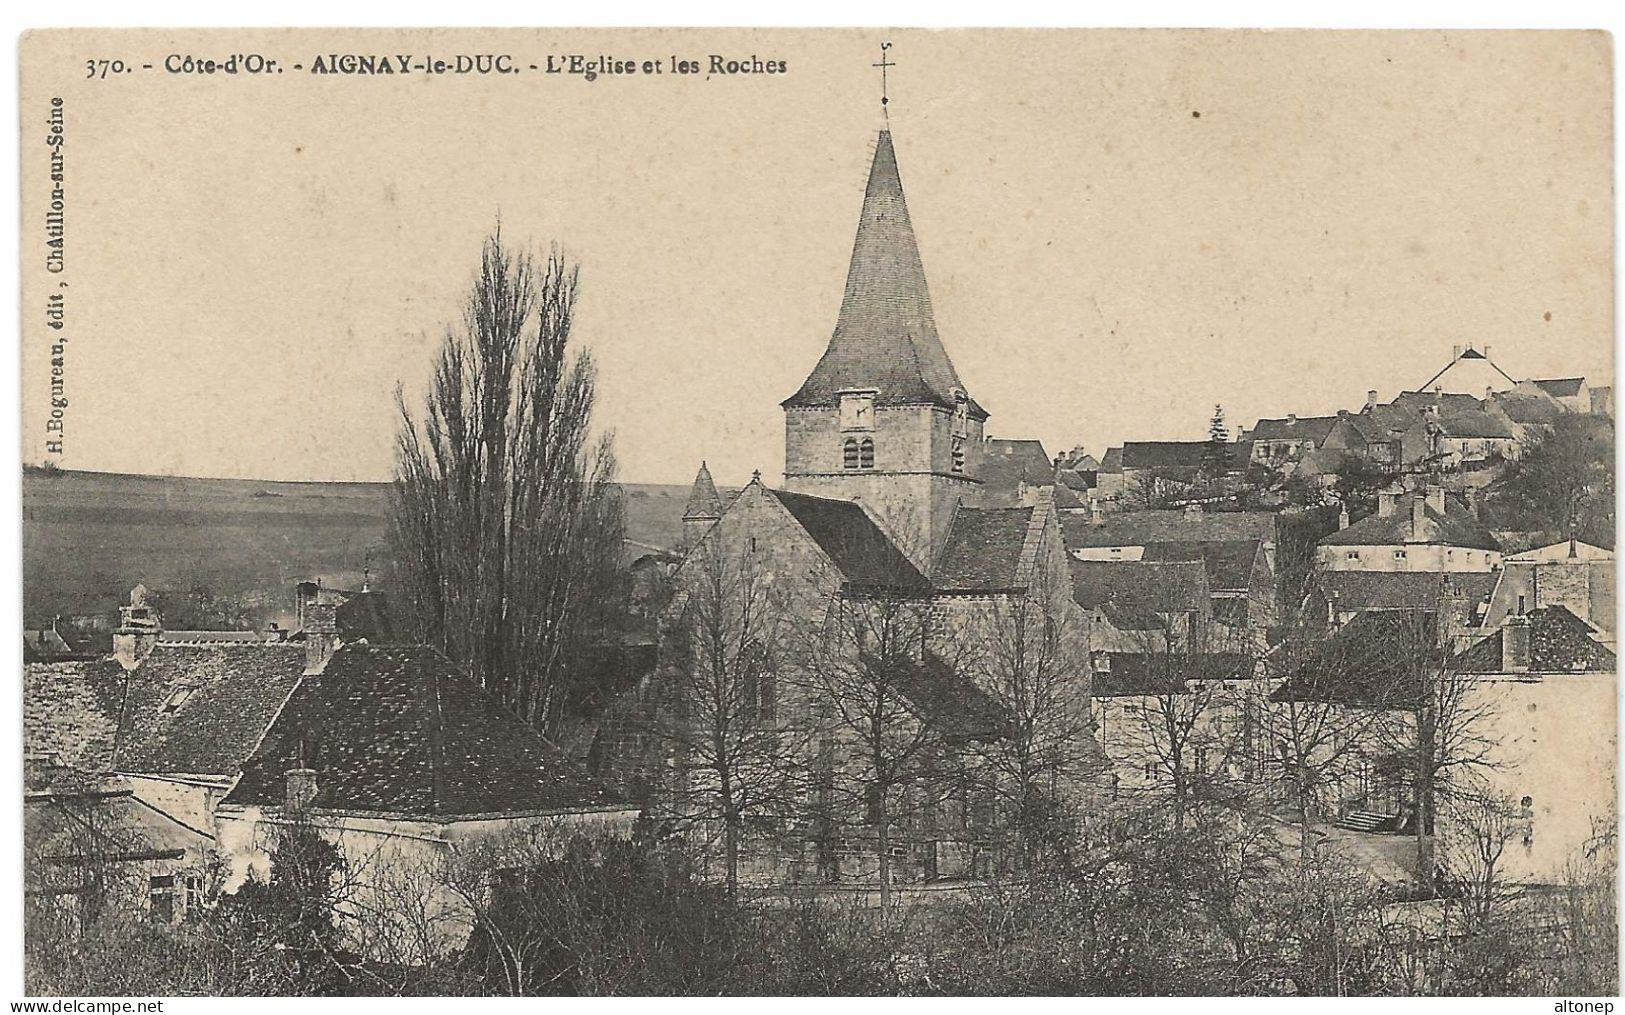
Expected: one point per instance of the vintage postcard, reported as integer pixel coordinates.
(818, 512)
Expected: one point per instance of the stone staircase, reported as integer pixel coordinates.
(1365, 821)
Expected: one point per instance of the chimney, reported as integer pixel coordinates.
(1371, 398)
(1438, 389)
(138, 630)
(321, 636)
(1418, 516)
(1455, 353)
(1489, 392)
(1342, 516)
(1436, 498)
(1486, 352)
(1387, 503)
(1515, 644)
(301, 789)
(1291, 419)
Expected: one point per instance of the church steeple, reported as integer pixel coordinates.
(885, 337)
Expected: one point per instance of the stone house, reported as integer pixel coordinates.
(1279, 443)
(1574, 575)
(1429, 531)
(1573, 393)
(391, 752)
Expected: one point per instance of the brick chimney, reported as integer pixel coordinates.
(321, 636)
(301, 789)
(138, 630)
(1515, 643)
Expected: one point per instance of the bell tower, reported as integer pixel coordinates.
(884, 418)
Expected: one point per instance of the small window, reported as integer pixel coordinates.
(1399, 554)
(161, 896)
(849, 453)
(866, 453)
(1354, 555)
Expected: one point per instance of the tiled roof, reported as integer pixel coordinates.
(983, 550)
(1559, 642)
(199, 710)
(1141, 528)
(1403, 590)
(1313, 428)
(1229, 563)
(399, 729)
(859, 549)
(1139, 586)
(1474, 423)
(1447, 402)
(1164, 454)
(1561, 387)
(1527, 408)
(1455, 527)
(71, 712)
(1112, 461)
(886, 335)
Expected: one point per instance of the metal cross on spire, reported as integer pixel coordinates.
(883, 64)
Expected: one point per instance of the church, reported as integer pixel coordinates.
(879, 668)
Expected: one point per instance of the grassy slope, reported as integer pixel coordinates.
(89, 537)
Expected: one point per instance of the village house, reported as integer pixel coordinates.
(1139, 474)
(1425, 531)
(1572, 574)
(897, 512)
(1278, 443)
(390, 752)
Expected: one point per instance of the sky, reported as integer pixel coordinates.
(1121, 229)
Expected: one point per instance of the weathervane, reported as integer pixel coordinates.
(883, 64)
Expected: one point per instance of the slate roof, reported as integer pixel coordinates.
(1403, 590)
(1007, 465)
(859, 549)
(1455, 527)
(1137, 587)
(200, 709)
(71, 712)
(886, 336)
(399, 729)
(983, 550)
(1312, 428)
(1229, 563)
(1137, 674)
(1559, 642)
(1164, 454)
(1561, 387)
(1141, 528)
(703, 500)
(949, 699)
(1376, 659)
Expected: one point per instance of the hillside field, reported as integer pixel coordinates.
(89, 537)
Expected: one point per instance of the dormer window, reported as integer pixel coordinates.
(857, 410)
(177, 699)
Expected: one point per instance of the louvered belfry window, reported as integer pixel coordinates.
(849, 453)
(866, 453)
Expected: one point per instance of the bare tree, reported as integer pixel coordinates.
(1031, 655)
(880, 718)
(739, 751)
(506, 523)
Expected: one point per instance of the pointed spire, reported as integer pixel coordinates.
(703, 501)
(886, 336)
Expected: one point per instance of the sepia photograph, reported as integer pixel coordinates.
(817, 512)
